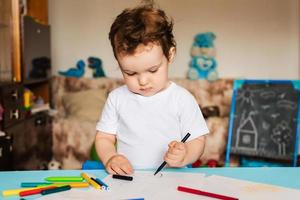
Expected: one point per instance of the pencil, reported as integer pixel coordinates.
(90, 181)
(203, 193)
(164, 163)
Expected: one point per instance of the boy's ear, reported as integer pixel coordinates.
(172, 53)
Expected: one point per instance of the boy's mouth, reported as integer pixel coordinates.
(146, 91)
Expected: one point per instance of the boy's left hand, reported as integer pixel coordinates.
(176, 154)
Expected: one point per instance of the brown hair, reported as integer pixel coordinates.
(141, 25)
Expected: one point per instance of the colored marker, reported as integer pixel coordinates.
(17, 191)
(164, 163)
(73, 185)
(122, 177)
(136, 199)
(96, 182)
(203, 193)
(102, 183)
(57, 189)
(90, 181)
(34, 184)
(34, 191)
(99, 182)
(64, 179)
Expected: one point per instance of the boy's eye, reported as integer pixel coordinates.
(153, 70)
(130, 73)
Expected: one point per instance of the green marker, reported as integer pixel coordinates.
(64, 179)
(54, 190)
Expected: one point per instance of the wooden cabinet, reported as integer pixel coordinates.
(15, 40)
(38, 9)
(11, 100)
(10, 41)
(5, 152)
(31, 142)
(25, 139)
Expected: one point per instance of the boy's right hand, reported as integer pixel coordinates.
(118, 164)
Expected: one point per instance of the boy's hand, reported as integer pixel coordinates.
(118, 164)
(176, 154)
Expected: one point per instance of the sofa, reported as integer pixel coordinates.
(78, 103)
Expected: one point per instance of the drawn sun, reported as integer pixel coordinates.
(245, 97)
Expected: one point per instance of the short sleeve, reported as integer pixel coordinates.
(109, 118)
(190, 116)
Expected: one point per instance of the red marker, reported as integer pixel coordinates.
(34, 191)
(203, 193)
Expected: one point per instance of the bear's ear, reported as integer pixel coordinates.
(172, 53)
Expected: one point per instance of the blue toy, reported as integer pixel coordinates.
(203, 67)
(203, 64)
(204, 40)
(74, 72)
(96, 65)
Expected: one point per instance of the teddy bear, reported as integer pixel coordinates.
(40, 67)
(203, 63)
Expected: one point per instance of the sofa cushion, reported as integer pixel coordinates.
(85, 105)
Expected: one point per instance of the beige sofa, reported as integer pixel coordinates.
(79, 102)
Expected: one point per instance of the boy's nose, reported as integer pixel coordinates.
(143, 80)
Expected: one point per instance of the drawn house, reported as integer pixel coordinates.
(247, 135)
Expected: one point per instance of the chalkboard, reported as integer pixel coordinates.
(264, 122)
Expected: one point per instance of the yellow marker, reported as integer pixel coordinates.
(90, 181)
(73, 185)
(17, 191)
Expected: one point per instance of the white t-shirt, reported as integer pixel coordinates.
(144, 126)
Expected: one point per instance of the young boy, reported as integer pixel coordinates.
(148, 116)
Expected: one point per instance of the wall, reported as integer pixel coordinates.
(255, 38)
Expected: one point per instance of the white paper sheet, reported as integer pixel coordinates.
(164, 186)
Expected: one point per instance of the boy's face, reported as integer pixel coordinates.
(146, 71)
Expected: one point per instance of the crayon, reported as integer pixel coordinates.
(136, 199)
(102, 183)
(96, 181)
(34, 184)
(54, 190)
(73, 185)
(64, 179)
(122, 177)
(90, 181)
(17, 191)
(204, 193)
(164, 163)
(14, 191)
(34, 191)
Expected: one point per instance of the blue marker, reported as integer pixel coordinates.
(102, 184)
(34, 184)
(136, 199)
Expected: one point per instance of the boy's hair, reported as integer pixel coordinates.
(141, 25)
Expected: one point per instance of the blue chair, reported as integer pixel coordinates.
(92, 164)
